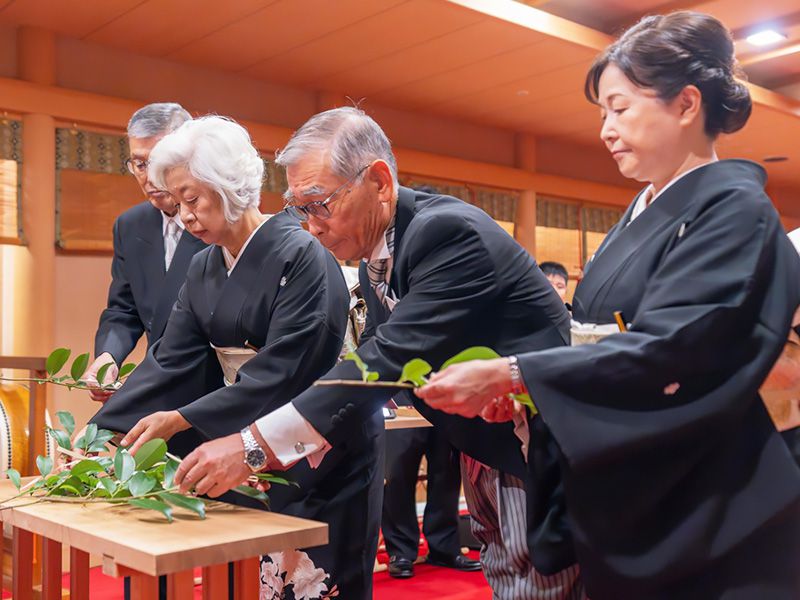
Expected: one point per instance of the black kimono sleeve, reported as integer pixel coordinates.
(178, 367)
(304, 337)
(120, 325)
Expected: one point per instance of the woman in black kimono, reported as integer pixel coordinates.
(261, 316)
(677, 484)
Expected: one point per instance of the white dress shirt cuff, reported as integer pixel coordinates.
(291, 437)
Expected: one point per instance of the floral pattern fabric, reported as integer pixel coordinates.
(293, 575)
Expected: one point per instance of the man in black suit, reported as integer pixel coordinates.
(151, 253)
(440, 276)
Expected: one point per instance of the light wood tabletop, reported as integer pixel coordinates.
(144, 541)
(407, 417)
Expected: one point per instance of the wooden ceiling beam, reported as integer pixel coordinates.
(755, 58)
(538, 21)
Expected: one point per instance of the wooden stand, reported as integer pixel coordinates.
(142, 545)
(407, 417)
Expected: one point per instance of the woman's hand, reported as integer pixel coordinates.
(467, 388)
(163, 424)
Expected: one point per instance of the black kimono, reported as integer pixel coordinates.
(677, 484)
(287, 297)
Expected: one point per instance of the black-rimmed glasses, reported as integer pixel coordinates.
(319, 208)
(136, 166)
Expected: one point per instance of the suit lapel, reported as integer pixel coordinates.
(188, 245)
(150, 242)
(406, 206)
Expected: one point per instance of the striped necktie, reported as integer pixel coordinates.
(377, 270)
(171, 238)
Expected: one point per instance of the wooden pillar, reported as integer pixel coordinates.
(78, 573)
(180, 586)
(22, 545)
(34, 267)
(51, 570)
(215, 582)
(246, 580)
(525, 219)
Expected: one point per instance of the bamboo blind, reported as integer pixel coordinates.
(10, 172)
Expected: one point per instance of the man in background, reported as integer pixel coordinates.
(558, 277)
(151, 253)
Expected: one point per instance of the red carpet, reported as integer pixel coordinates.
(428, 582)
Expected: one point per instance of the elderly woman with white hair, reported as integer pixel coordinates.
(262, 314)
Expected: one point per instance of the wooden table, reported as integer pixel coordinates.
(407, 418)
(142, 545)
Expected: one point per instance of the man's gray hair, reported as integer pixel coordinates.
(351, 138)
(217, 152)
(155, 119)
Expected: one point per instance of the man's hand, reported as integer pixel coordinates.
(214, 467)
(467, 388)
(218, 466)
(90, 377)
(163, 424)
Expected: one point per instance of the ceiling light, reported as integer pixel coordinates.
(766, 37)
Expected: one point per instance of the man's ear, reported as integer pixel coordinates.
(380, 174)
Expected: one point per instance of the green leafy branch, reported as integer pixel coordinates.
(144, 481)
(415, 371)
(58, 359)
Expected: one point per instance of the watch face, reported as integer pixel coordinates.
(256, 458)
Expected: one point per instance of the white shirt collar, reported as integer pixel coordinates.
(230, 260)
(647, 197)
(381, 250)
(165, 219)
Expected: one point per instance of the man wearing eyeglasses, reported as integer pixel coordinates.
(151, 254)
(439, 276)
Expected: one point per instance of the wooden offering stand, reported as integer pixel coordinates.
(141, 545)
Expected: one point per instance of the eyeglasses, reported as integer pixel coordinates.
(319, 208)
(136, 166)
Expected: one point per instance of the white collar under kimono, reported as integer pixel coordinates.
(230, 260)
(649, 196)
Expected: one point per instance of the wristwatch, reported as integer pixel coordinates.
(254, 455)
(517, 384)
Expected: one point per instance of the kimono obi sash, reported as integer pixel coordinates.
(590, 333)
(231, 359)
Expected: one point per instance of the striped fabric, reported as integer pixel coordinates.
(496, 503)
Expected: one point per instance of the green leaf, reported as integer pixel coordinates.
(153, 504)
(124, 464)
(65, 487)
(108, 484)
(141, 483)
(67, 421)
(372, 376)
(362, 366)
(474, 353)
(101, 373)
(151, 452)
(14, 476)
(56, 361)
(79, 366)
(195, 505)
(414, 371)
(252, 492)
(126, 370)
(91, 433)
(61, 438)
(44, 464)
(169, 472)
(274, 479)
(87, 466)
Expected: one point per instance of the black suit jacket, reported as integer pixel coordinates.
(142, 292)
(461, 281)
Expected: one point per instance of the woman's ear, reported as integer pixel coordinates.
(690, 104)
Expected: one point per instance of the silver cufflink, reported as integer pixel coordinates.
(299, 447)
(283, 281)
